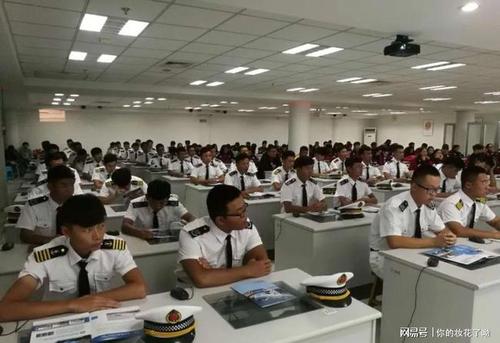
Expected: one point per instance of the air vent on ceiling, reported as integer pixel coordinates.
(170, 66)
(113, 25)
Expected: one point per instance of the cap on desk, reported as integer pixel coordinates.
(169, 323)
(331, 290)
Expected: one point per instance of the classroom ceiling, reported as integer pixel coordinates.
(190, 40)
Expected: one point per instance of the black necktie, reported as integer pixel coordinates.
(83, 280)
(342, 166)
(418, 229)
(207, 175)
(304, 195)
(367, 172)
(191, 160)
(156, 224)
(319, 167)
(473, 215)
(58, 221)
(147, 157)
(161, 162)
(443, 187)
(182, 167)
(286, 176)
(354, 194)
(229, 252)
(398, 172)
(242, 182)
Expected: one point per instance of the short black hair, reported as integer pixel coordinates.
(286, 154)
(303, 161)
(54, 156)
(85, 210)
(205, 149)
(59, 173)
(422, 171)
(471, 173)
(480, 157)
(158, 190)
(477, 147)
(95, 151)
(394, 147)
(180, 149)
(241, 157)
(320, 151)
(351, 161)
(303, 148)
(218, 198)
(364, 148)
(454, 161)
(109, 158)
(121, 177)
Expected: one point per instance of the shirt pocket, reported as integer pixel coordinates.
(62, 286)
(102, 281)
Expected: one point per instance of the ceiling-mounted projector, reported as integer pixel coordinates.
(402, 47)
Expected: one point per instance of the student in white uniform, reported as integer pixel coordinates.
(281, 174)
(371, 174)
(180, 165)
(207, 173)
(461, 211)
(75, 270)
(338, 163)
(101, 174)
(122, 187)
(320, 167)
(160, 159)
(224, 247)
(93, 162)
(409, 220)
(396, 169)
(193, 158)
(302, 194)
(37, 222)
(242, 179)
(252, 168)
(450, 176)
(351, 188)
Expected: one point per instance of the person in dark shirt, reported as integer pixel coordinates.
(269, 161)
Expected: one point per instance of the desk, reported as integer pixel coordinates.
(383, 195)
(260, 212)
(148, 257)
(196, 199)
(178, 186)
(322, 182)
(448, 296)
(114, 217)
(324, 248)
(139, 171)
(150, 175)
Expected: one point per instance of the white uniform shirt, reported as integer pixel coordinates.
(292, 191)
(221, 165)
(397, 218)
(320, 166)
(136, 156)
(90, 165)
(159, 162)
(344, 188)
(122, 154)
(373, 172)
(338, 164)
(233, 178)
(200, 171)
(450, 185)
(131, 155)
(135, 183)
(59, 275)
(202, 238)
(39, 215)
(279, 175)
(41, 187)
(175, 166)
(41, 169)
(100, 174)
(142, 215)
(391, 168)
(458, 208)
(195, 160)
(252, 168)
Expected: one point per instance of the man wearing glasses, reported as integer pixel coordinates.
(461, 210)
(75, 270)
(409, 220)
(225, 246)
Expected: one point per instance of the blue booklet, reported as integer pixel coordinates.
(262, 293)
(462, 254)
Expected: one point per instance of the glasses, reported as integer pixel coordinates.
(429, 191)
(242, 215)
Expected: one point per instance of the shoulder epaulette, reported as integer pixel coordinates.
(100, 169)
(49, 253)
(313, 181)
(213, 164)
(35, 201)
(173, 203)
(459, 205)
(136, 182)
(89, 160)
(290, 181)
(217, 160)
(109, 183)
(114, 244)
(139, 152)
(481, 200)
(140, 204)
(250, 174)
(277, 171)
(174, 160)
(199, 231)
(234, 172)
(198, 165)
(41, 182)
(343, 182)
(403, 206)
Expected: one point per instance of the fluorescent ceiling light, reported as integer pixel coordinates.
(126, 105)
(77, 55)
(398, 112)
(70, 100)
(308, 90)
(359, 111)
(74, 95)
(215, 84)
(489, 93)
(371, 114)
(431, 87)
(149, 98)
(133, 28)
(197, 83)
(437, 99)
(234, 102)
(55, 103)
(257, 71)
(368, 95)
(105, 58)
(214, 105)
(350, 79)
(443, 88)
(285, 105)
(487, 102)
(188, 108)
(93, 22)
(205, 105)
(148, 102)
(56, 99)
(66, 103)
(448, 66)
(429, 65)
(236, 70)
(161, 99)
(381, 95)
(272, 108)
(136, 106)
(223, 102)
(324, 52)
(300, 48)
(59, 94)
(470, 6)
(364, 81)
(295, 89)
(137, 102)
(333, 112)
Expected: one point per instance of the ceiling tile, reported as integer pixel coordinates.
(145, 10)
(41, 15)
(182, 15)
(44, 31)
(74, 5)
(175, 32)
(160, 44)
(231, 61)
(296, 68)
(346, 40)
(144, 61)
(98, 48)
(251, 25)
(349, 54)
(190, 57)
(34, 42)
(42, 52)
(272, 44)
(206, 48)
(225, 38)
(451, 54)
(207, 5)
(137, 52)
(249, 53)
(302, 33)
(103, 38)
(268, 15)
